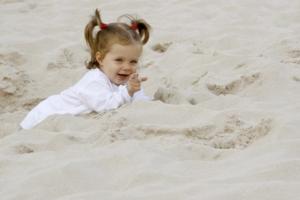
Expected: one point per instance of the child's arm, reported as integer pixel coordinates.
(134, 83)
(98, 96)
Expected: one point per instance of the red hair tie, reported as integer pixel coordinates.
(134, 26)
(103, 26)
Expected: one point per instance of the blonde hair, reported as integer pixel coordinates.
(113, 33)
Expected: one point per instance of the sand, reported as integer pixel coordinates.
(224, 123)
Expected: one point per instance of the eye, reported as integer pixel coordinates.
(119, 60)
(134, 62)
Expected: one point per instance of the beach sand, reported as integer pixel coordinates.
(224, 123)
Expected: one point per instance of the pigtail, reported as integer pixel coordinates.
(139, 25)
(143, 29)
(90, 40)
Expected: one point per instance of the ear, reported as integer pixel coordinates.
(98, 57)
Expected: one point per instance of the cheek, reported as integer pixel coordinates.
(134, 68)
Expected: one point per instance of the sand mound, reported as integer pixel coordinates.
(224, 123)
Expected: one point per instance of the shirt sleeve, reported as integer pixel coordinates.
(98, 96)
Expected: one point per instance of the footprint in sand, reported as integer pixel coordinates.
(114, 130)
(168, 92)
(170, 95)
(203, 132)
(23, 149)
(12, 58)
(30, 103)
(12, 80)
(234, 86)
(65, 59)
(234, 133)
(161, 47)
(295, 78)
(237, 133)
(293, 56)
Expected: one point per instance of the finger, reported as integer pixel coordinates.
(133, 76)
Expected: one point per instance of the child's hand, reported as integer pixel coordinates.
(134, 83)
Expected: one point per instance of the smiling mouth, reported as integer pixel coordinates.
(123, 75)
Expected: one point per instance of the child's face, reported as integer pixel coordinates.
(120, 62)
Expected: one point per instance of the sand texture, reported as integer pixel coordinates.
(224, 122)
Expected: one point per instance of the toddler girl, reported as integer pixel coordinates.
(112, 79)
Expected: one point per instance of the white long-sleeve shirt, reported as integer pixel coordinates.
(93, 92)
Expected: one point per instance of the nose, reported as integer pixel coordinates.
(128, 66)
